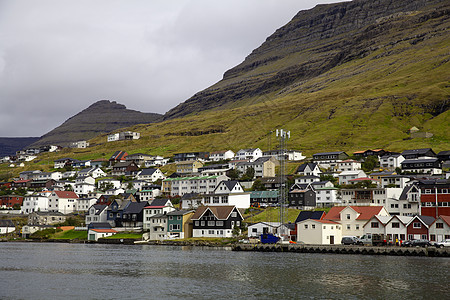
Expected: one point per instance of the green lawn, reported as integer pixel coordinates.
(71, 235)
(125, 236)
(272, 214)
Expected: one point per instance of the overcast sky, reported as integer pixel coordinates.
(58, 57)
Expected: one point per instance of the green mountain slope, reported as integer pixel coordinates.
(348, 76)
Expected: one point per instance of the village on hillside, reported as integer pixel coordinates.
(400, 196)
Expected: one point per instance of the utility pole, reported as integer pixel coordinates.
(282, 136)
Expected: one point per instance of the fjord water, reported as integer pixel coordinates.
(94, 271)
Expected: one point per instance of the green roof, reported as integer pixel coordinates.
(264, 194)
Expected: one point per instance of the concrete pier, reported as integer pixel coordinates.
(341, 249)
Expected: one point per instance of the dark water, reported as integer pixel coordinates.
(78, 271)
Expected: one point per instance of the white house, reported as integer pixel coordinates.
(84, 188)
(353, 218)
(150, 174)
(391, 161)
(6, 226)
(97, 213)
(257, 229)
(113, 137)
(95, 234)
(320, 232)
(307, 179)
(396, 230)
(35, 202)
(111, 183)
(251, 154)
(156, 161)
(326, 196)
(157, 207)
(348, 165)
(79, 144)
(221, 155)
(83, 204)
(148, 195)
(308, 169)
(198, 184)
(398, 181)
(49, 175)
(94, 172)
(440, 229)
(62, 201)
(345, 176)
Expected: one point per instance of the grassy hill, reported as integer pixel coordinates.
(335, 85)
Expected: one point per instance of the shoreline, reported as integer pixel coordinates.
(324, 249)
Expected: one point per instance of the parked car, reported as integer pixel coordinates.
(442, 244)
(416, 243)
(351, 240)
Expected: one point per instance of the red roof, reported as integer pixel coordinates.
(161, 206)
(104, 230)
(446, 219)
(334, 213)
(66, 194)
(361, 179)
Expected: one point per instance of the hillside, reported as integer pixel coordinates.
(376, 39)
(101, 117)
(348, 76)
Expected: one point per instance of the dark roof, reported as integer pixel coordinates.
(99, 208)
(444, 153)
(99, 225)
(329, 153)
(6, 223)
(135, 207)
(159, 202)
(148, 171)
(302, 167)
(230, 183)
(179, 212)
(221, 212)
(305, 215)
(425, 160)
(189, 196)
(425, 219)
(417, 151)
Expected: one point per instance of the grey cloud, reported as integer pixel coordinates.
(58, 57)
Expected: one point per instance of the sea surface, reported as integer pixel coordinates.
(94, 271)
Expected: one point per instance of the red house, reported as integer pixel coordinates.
(10, 200)
(418, 227)
(435, 197)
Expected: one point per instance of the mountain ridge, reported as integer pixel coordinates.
(100, 117)
(312, 43)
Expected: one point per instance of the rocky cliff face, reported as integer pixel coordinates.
(314, 42)
(101, 117)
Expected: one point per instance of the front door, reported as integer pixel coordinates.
(331, 239)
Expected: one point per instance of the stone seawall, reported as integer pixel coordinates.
(340, 249)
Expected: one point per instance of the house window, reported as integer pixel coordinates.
(432, 237)
(313, 226)
(234, 214)
(424, 236)
(306, 226)
(211, 223)
(170, 218)
(348, 226)
(357, 227)
(439, 225)
(220, 223)
(196, 223)
(395, 225)
(410, 236)
(417, 225)
(348, 216)
(374, 225)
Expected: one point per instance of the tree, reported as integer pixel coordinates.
(370, 163)
(258, 186)
(328, 177)
(249, 174)
(233, 174)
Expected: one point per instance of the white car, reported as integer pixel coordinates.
(442, 244)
